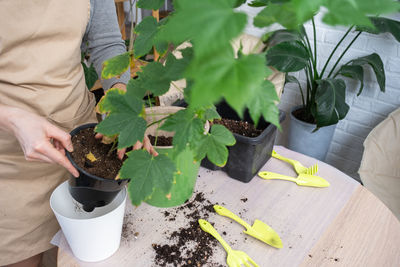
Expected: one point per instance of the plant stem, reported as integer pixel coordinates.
(313, 86)
(176, 87)
(113, 147)
(315, 38)
(334, 50)
(308, 88)
(302, 95)
(160, 120)
(344, 52)
(315, 50)
(131, 40)
(310, 50)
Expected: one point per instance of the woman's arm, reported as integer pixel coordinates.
(39, 139)
(103, 38)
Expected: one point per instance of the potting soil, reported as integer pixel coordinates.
(106, 163)
(239, 127)
(161, 140)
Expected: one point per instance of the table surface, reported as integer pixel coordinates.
(342, 225)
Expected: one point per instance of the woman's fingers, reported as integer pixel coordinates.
(61, 136)
(59, 146)
(137, 146)
(147, 145)
(121, 153)
(53, 154)
(153, 151)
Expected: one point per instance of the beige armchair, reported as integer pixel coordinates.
(380, 165)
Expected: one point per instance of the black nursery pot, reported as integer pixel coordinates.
(249, 154)
(88, 189)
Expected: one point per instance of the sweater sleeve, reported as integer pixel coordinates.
(103, 39)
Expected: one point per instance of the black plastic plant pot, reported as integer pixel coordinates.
(249, 154)
(88, 189)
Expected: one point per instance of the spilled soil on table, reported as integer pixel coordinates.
(188, 245)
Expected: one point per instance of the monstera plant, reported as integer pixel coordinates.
(323, 98)
(212, 72)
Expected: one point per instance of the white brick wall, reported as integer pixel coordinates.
(367, 110)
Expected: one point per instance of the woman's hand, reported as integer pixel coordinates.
(138, 145)
(39, 139)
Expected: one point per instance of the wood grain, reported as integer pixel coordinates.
(365, 233)
(121, 18)
(300, 215)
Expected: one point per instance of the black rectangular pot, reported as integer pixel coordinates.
(249, 154)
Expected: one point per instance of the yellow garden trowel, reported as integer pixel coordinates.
(303, 179)
(259, 230)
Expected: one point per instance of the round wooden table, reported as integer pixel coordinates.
(342, 225)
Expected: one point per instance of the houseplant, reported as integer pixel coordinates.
(216, 61)
(212, 71)
(250, 152)
(323, 99)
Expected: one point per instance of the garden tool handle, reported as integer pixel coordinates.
(208, 228)
(272, 175)
(277, 156)
(227, 213)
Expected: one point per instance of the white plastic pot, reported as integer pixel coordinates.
(92, 236)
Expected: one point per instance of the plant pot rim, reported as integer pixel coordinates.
(298, 120)
(265, 132)
(123, 191)
(307, 124)
(68, 154)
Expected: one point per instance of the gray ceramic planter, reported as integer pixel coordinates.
(303, 140)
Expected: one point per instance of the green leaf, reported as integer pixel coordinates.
(115, 66)
(146, 31)
(111, 100)
(90, 75)
(209, 24)
(263, 103)
(184, 181)
(150, 4)
(186, 126)
(281, 36)
(147, 37)
(355, 12)
(124, 118)
(354, 72)
(211, 114)
(213, 145)
(260, 3)
(277, 13)
(129, 127)
(383, 25)
(375, 61)
(146, 173)
(288, 56)
(175, 68)
(291, 79)
(330, 102)
(221, 75)
(239, 3)
(306, 9)
(135, 88)
(154, 77)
